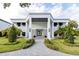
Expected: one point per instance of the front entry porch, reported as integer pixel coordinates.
(40, 26)
(39, 33)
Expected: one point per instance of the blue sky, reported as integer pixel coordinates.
(58, 10)
(64, 5)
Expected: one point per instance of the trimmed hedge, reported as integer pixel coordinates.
(29, 42)
(62, 46)
(0, 34)
(21, 43)
(50, 44)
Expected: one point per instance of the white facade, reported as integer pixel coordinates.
(39, 24)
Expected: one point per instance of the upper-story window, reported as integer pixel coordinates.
(23, 23)
(55, 24)
(19, 24)
(60, 24)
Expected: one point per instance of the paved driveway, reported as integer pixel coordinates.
(38, 49)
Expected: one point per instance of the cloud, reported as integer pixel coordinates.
(36, 8)
(71, 12)
(57, 11)
(15, 11)
(7, 13)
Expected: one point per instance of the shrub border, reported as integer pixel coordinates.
(29, 44)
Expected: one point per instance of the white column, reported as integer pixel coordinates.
(48, 29)
(26, 30)
(30, 28)
(52, 30)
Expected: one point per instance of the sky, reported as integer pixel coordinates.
(58, 10)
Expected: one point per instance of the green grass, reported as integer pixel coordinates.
(5, 46)
(61, 45)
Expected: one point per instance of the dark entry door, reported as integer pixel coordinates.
(39, 32)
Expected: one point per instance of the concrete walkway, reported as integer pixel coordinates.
(38, 49)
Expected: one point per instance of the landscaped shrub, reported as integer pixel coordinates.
(6, 31)
(0, 34)
(47, 41)
(72, 45)
(12, 35)
(6, 46)
(50, 45)
(71, 39)
(29, 43)
(62, 46)
(5, 34)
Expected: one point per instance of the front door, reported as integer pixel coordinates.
(39, 32)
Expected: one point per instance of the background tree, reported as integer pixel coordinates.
(6, 31)
(69, 31)
(72, 24)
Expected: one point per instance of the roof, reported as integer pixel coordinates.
(5, 21)
(46, 13)
(41, 13)
(61, 19)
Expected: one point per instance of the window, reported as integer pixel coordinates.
(19, 24)
(55, 34)
(23, 33)
(19, 34)
(60, 34)
(60, 24)
(23, 24)
(55, 24)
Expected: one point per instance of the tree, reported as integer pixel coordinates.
(72, 24)
(60, 31)
(12, 35)
(76, 32)
(69, 31)
(71, 38)
(5, 32)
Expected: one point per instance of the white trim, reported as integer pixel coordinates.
(50, 23)
(30, 28)
(48, 28)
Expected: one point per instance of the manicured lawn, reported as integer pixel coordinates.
(5, 46)
(61, 45)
